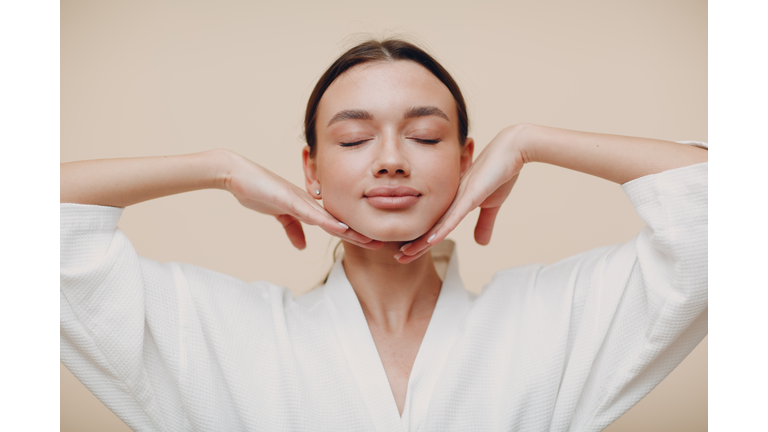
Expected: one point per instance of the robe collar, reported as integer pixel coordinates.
(443, 330)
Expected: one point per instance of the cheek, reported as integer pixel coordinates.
(340, 180)
(444, 182)
(343, 179)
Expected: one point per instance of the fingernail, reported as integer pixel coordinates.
(344, 225)
(432, 237)
(399, 255)
(405, 246)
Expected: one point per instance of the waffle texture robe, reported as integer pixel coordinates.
(564, 347)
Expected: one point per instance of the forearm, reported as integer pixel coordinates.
(613, 157)
(122, 182)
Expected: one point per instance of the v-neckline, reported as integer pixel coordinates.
(365, 363)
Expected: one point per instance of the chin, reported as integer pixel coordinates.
(398, 233)
(386, 226)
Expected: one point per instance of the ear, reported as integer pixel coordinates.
(466, 154)
(310, 173)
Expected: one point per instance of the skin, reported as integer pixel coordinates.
(422, 152)
(387, 257)
(358, 155)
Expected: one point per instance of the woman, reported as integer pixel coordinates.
(387, 343)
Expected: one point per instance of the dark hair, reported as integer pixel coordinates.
(386, 50)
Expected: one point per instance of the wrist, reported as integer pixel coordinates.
(220, 166)
(521, 138)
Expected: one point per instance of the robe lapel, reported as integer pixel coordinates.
(360, 350)
(444, 328)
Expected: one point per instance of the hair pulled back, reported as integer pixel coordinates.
(385, 50)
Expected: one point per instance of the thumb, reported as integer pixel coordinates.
(293, 230)
(484, 226)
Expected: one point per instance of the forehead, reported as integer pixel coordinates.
(385, 88)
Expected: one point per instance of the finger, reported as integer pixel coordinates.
(293, 229)
(335, 227)
(295, 233)
(441, 229)
(353, 236)
(404, 259)
(423, 242)
(372, 245)
(367, 244)
(313, 214)
(300, 205)
(418, 245)
(461, 210)
(484, 227)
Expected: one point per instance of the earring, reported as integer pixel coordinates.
(317, 191)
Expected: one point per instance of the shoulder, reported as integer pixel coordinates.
(312, 298)
(545, 276)
(214, 287)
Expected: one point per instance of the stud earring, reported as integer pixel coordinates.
(317, 191)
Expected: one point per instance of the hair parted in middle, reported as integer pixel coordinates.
(374, 51)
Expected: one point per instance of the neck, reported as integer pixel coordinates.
(392, 294)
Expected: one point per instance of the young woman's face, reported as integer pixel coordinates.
(388, 160)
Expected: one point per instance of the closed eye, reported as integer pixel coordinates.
(426, 141)
(419, 140)
(352, 144)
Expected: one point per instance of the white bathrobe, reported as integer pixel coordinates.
(564, 347)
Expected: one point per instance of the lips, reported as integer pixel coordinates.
(392, 197)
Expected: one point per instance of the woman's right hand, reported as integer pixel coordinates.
(124, 182)
(259, 189)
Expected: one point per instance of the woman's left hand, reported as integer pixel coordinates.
(486, 184)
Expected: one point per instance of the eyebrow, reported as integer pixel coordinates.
(424, 111)
(358, 114)
(353, 114)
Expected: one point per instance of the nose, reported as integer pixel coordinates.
(390, 159)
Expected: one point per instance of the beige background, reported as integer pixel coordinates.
(151, 78)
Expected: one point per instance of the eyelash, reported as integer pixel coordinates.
(422, 141)
(352, 144)
(427, 141)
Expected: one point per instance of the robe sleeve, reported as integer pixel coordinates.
(637, 309)
(102, 312)
(137, 332)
